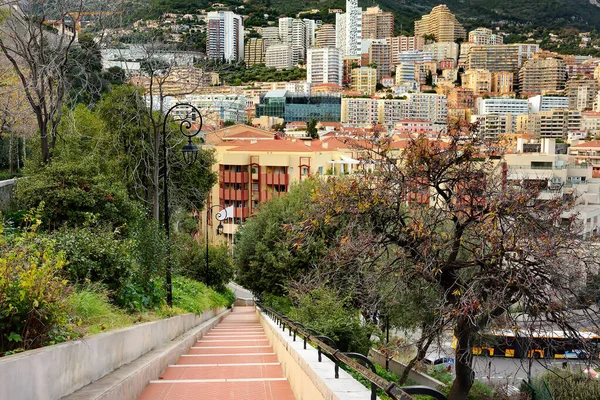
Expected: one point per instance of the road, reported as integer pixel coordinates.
(510, 371)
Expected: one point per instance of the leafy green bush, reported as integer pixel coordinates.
(282, 305)
(568, 385)
(97, 254)
(324, 312)
(192, 263)
(146, 288)
(74, 192)
(196, 297)
(34, 304)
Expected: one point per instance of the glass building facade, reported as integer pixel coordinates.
(299, 107)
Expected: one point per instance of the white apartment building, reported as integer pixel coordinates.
(360, 112)
(492, 126)
(502, 105)
(324, 65)
(591, 123)
(415, 56)
(405, 72)
(349, 29)
(224, 36)
(442, 51)
(215, 108)
(299, 34)
(428, 106)
(279, 56)
(484, 36)
(547, 103)
(561, 177)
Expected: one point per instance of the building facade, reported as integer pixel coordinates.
(377, 24)
(324, 65)
(224, 36)
(540, 75)
(279, 56)
(364, 80)
(440, 23)
(299, 106)
(254, 51)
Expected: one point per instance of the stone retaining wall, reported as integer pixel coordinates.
(52, 372)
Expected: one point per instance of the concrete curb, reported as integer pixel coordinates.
(309, 378)
(129, 381)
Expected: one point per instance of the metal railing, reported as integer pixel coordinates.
(358, 362)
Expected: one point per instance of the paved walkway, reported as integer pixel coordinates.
(233, 361)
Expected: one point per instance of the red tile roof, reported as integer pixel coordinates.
(593, 143)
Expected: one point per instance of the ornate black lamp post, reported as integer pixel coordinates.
(190, 154)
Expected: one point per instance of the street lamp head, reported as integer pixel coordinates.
(190, 152)
(220, 229)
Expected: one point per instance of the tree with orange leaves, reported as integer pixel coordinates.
(440, 217)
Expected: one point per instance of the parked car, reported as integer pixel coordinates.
(442, 363)
(577, 354)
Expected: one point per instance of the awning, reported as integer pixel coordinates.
(349, 160)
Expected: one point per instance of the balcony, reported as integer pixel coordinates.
(233, 177)
(275, 179)
(230, 194)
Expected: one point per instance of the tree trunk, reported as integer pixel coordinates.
(422, 347)
(156, 174)
(463, 360)
(44, 142)
(10, 152)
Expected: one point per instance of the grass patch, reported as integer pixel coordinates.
(93, 313)
(193, 296)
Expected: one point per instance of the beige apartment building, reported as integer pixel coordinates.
(550, 124)
(379, 54)
(399, 44)
(581, 93)
(254, 51)
(540, 75)
(279, 56)
(325, 36)
(477, 80)
(253, 167)
(499, 58)
(503, 82)
(377, 24)
(364, 80)
(485, 36)
(440, 23)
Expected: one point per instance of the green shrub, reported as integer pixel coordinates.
(192, 296)
(568, 385)
(282, 305)
(75, 192)
(192, 263)
(97, 254)
(324, 312)
(146, 287)
(34, 304)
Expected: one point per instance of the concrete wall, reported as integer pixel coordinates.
(398, 368)
(309, 378)
(55, 371)
(6, 191)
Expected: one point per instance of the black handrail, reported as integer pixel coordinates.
(390, 388)
(368, 363)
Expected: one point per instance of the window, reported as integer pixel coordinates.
(320, 170)
(255, 187)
